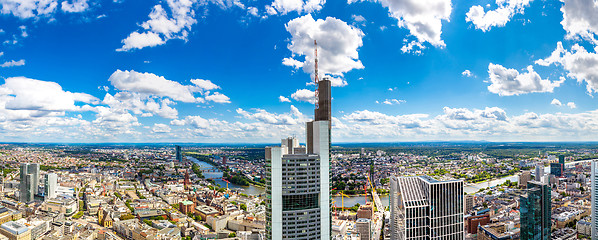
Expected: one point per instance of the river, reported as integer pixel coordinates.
(249, 190)
(351, 201)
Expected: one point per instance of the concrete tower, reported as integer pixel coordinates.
(298, 180)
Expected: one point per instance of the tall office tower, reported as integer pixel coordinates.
(562, 159)
(50, 184)
(556, 169)
(535, 212)
(524, 177)
(425, 208)
(539, 172)
(298, 194)
(179, 155)
(34, 171)
(594, 196)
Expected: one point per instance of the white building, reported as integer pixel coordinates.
(425, 208)
(50, 185)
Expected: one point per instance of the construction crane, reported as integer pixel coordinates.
(316, 77)
(343, 195)
(227, 182)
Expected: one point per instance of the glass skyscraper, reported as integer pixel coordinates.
(535, 211)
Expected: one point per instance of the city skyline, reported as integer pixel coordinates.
(239, 71)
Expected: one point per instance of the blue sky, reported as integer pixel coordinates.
(238, 71)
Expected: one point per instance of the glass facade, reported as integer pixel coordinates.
(535, 212)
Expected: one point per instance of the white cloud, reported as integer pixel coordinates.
(283, 99)
(571, 105)
(205, 84)
(23, 31)
(140, 40)
(556, 102)
(579, 63)
(253, 11)
(467, 73)
(304, 95)
(423, 19)
(160, 128)
(23, 93)
(140, 104)
(75, 7)
(336, 55)
(13, 63)
(149, 83)
(508, 82)
(358, 18)
(299, 6)
(495, 18)
(28, 8)
(292, 118)
(162, 27)
(393, 101)
(217, 98)
(580, 19)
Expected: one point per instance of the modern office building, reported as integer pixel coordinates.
(29, 177)
(539, 172)
(364, 228)
(535, 211)
(556, 169)
(469, 202)
(50, 185)
(425, 208)
(298, 193)
(15, 231)
(179, 155)
(594, 197)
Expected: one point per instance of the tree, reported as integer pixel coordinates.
(243, 207)
(232, 235)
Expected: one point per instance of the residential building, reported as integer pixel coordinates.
(594, 198)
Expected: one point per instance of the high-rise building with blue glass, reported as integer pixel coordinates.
(535, 210)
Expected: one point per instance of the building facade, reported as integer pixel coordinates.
(298, 180)
(50, 184)
(594, 197)
(535, 212)
(426, 208)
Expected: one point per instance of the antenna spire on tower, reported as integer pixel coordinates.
(316, 77)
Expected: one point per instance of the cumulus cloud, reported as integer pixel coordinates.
(508, 82)
(292, 118)
(217, 98)
(556, 102)
(498, 17)
(160, 128)
(423, 19)
(28, 8)
(75, 6)
(580, 19)
(205, 84)
(162, 27)
(24, 93)
(13, 63)
(283, 99)
(467, 73)
(149, 83)
(299, 6)
(571, 105)
(337, 55)
(579, 64)
(304, 95)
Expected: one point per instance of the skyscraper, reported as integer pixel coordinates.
(29, 177)
(594, 196)
(179, 155)
(426, 208)
(298, 194)
(50, 184)
(539, 172)
(535, 212)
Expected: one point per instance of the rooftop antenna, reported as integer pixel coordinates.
(316, 78)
